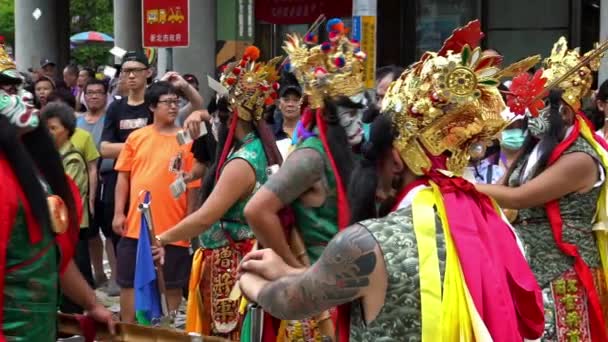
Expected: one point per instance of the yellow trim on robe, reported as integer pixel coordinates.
(460, 320)
(428, 264)
(600, 227)
(195, 301)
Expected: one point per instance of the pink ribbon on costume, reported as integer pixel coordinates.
(502, 286)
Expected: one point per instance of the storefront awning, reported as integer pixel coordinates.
(300, 11)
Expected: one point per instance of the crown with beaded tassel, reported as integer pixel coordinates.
(251, 85)
(449, 102)
(577, 85)
(334, 68)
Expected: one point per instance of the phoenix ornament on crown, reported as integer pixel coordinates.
(334, 68)
(449, 102)
(251, 85)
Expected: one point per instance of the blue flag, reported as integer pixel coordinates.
(147, 296)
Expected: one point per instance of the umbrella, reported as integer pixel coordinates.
(91, 37)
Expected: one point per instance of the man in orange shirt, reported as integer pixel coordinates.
(152, 160)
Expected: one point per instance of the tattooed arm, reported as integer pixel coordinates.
(350, 266)
(298, 174)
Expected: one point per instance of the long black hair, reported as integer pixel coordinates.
(364, 180)
(548, 141)
(597, 116)
(36, 151)
(222, 109)
(337, 140)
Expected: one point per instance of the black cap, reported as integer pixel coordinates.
(290, 89)
(191, 79)
(136, 56)
(289, 84)
(45, 61)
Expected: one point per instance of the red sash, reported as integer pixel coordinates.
(598, 325)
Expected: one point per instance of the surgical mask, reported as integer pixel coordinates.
(513, 139)
(366, 130)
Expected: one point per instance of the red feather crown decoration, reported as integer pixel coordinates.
(470, 35)
(524, 93)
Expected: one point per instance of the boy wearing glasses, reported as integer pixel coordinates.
(151, 159)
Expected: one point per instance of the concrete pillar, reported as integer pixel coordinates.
(127, 25)
(603, 72)
(199, 57)
(161, 64)
(35, 39)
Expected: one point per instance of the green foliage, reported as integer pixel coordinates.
(86, 15)
(91, 15)
(7, 21)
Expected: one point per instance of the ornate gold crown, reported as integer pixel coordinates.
(251, 85)
(7, 65)
(334, 68)
(449, 102)
(561, 61)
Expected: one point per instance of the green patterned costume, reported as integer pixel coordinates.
(400, 317)
(233, 222)
(31, 285)
(318, 225)
(211, 311)
(550, 266)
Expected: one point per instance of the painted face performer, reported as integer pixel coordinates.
(10, 80)
(313, 179)
(555, 184)
(39, 223)
(247, 150)
(444, 265)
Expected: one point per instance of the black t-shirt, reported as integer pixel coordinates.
(122, 119)
(203, 148)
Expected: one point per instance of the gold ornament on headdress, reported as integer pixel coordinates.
(571, 72)
(449, 102)
(334, 68)
(251, 85)
(6, 62)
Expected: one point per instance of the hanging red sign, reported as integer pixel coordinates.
(300, 11)
(165, 23)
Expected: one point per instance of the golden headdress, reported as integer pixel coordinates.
(449, 102)
(251, 85)
(561, 61)
(7, 65)
(334, 68)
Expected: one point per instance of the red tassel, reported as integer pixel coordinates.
(343, 209)
(227, 144)
(598, 325)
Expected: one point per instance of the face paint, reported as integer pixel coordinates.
(17, 111)
(350, 120)
(539, 125)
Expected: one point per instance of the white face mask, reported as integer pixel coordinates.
(538, 126)
(215, 126)
(350, 120)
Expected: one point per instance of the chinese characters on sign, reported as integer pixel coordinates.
(165, 23)
(300, 11)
